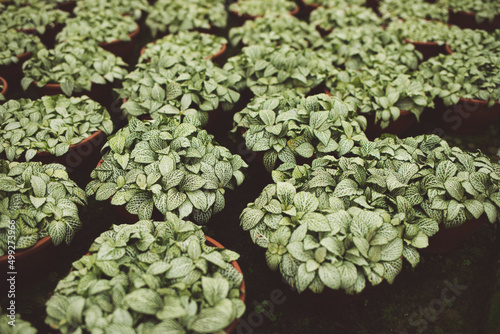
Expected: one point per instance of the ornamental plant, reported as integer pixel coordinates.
(393, 9)
(269, 70)
(420, 30)
(329, 18)
(38, 16)
(299, 127)
(193, 44)
(383, 95)
(316, 248)
(51, 123)
(184, 88)
(171, 16)
(156, 277)
(334, 3)
(75, 66)
(275, 29)
(262, 7)
(134, 8)
(484, 10)
(358, 47)
(42, 200)
(474, 41)
(462, 76)
(21, 326)
(103, 27)
(14, 43)
(167, 165)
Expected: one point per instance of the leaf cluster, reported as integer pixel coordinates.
(394, 9)
(184, 88)
(484, 10)
(149, 277)
(37, 16)
(256, 8)
(462, 76)
(316, 247)
(269, 70)
(103, 27)
(275, 29)
(172, 166)
(134, 8)
(42, 200)
(286, 129)
(421, 30)
(193, 44)
(171, 16)
(328, 18)
(74, 65)
(21, 327)
(51, 123)
(14, 43)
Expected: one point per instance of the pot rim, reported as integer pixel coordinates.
(40, 244)
(5, 86)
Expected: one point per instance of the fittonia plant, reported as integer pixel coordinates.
(37, 16)
(166, 165)
(382, 95)
(421, 30)
(461, 76)
(171, 16)
(42, 200)
(149, 277)
(75, 66)
(393, 9)
(21, 326)
(328, 18)
(106, 26)
(14, 43)
(269, 70)
(275, 29)
(185, 88)
(193, 44)
(51, 123)
(262, 7)
(286, 127)
(334, 3)
(316, 248)
(474, 41)
(134, 8)
(484, 10)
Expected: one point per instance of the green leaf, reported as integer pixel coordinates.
(304, 278)
(250, 218)
(444, 170)
(145, 301)
(57, 231)
(329, 275)
(346, 187)
(39, 186)
(213, 319)
(214, 289)
(316, 222)
(304, 202)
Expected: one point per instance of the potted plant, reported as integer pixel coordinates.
(268, 70)
(275, 29)
(113, 31)
(290, 128)
(137, 9)
(478, 14)
(320, 248)
(171, 16)
(187, 43)
(54, 129)
(157, 276)
(394, 9)
(251, 9)
(17, 48)
(473, 42)
(429, 37)
(40, 204)
(74, 68)
(173, 86)
(390, 101)
(469, 89)
(21, 326)
(39, 18)
(325, 19)
(166, 165)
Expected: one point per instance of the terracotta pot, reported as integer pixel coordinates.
(468, 20)
(448, 239)
(14, 72)
(48, 38)
(99, 93)
(428, 49)
(234, 324)
(448, 50)
(123, 49)
(29, 263)
(5, 86)
(468, 116)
